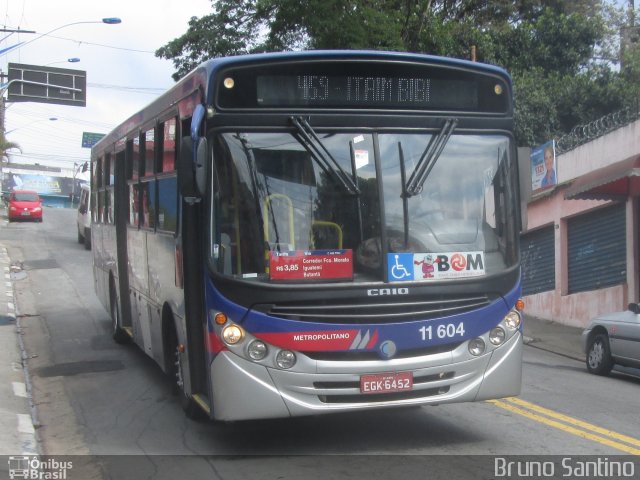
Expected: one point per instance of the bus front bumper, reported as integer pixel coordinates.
(244, 390)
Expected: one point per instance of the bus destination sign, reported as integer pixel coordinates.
(311, 265)
(359, 85)
(365, 91)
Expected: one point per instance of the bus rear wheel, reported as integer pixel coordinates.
(117, 332)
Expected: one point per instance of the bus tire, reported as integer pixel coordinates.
(118, 334)
(176, 375)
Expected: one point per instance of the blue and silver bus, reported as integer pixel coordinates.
(313, 232)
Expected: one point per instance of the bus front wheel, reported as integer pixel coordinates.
(177, 374)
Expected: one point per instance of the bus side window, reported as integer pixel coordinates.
(168, 204)
(148, 213)
(134, 205)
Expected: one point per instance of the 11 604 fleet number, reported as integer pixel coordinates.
(446, 330)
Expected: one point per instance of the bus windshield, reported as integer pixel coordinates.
(349, 208)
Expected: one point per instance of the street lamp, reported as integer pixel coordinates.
(68, 60)
(107, 20)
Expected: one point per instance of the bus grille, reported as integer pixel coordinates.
(385, 397)
(380, 310)
(366, 355)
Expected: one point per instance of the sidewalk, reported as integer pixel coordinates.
(553, 337)
(17, 434)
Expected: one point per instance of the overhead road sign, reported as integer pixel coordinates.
(89, 139)
(36, 83)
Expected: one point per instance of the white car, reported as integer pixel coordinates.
(613, 339)
(84, 216)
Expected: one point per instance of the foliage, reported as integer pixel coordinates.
(562, 55)
(6, 145)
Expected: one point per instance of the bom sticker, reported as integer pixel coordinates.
(435, 266)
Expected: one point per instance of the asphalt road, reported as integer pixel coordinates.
(99, 399)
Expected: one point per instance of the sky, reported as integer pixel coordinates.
(123, 74)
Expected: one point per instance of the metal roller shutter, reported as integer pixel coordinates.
(597, 249)
(538, 261)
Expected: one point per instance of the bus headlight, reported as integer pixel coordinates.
(285, 359)
(497, 335)
(257, 350)
(512, 320)
(476, 346)
(232, 334)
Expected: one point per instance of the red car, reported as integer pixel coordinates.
(24, 205)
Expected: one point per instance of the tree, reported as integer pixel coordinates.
(560, 54)
(5, 146)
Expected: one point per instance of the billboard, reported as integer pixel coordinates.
(35, 83)
(43, 184)
(543, 166)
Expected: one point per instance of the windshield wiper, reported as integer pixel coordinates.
(429, 158)
(312, 143)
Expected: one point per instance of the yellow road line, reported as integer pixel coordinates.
(507, 405)
(574, 421)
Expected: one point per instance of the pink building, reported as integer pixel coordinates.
(580, 238)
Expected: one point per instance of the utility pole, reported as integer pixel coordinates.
(3, 76)
(629, 37)
(2, 127)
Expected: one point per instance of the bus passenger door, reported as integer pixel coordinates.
(121, 216)
(192, 232)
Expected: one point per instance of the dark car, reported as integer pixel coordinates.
(613, 339)
(24, 205)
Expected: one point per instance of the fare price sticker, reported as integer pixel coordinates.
(311, 265)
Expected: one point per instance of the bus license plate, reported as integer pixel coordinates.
(386, 382)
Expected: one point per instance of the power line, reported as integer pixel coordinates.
(147, 90)
(79, 42)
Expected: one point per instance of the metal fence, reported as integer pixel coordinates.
(582, 134)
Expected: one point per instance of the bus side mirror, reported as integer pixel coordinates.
(200, 166)
(193, 167)
(193, 159)
(185, 168)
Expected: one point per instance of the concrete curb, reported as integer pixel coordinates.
(17, 414)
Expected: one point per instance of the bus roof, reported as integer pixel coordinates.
(217, 63)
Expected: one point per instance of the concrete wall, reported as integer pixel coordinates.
(551, 208)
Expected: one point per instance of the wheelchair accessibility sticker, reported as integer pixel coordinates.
(402, 267)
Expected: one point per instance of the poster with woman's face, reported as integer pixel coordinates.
(543, 166)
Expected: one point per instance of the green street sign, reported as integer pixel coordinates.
(89, 139)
